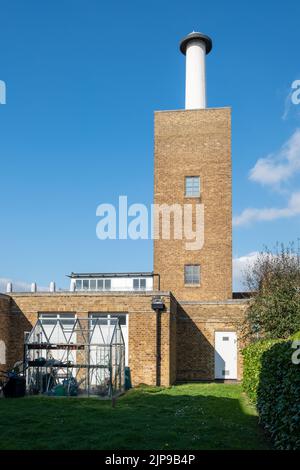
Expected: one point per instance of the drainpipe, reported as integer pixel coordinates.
(158, 280)
(158, 347)
(158, 306)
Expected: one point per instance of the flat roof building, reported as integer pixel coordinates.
(179, 322)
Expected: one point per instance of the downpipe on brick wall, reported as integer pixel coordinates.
(158, 347)
(158, 306)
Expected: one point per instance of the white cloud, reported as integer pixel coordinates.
(279, 167)
(18, 286)
(251, 215)
(239, 266)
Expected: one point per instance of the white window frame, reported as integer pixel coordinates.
(58, 316)
(193, 189)
(95, 315)
(94, 279)
(109, 316)
(193, 281)
(139, 279)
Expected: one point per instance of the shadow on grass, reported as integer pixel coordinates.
(143, 419)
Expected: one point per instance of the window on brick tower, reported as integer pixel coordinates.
(192, 274)
(192, 186)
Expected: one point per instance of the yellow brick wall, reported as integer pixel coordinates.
(196, 327)
(186, 331)
(12, 327)
(195, 143)
(4, 330)
(141, 320)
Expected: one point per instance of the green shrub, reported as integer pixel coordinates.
(252, 366)
(296, 336)
(274, 279)
(272, 381)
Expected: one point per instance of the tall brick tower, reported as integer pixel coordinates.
(193, 166)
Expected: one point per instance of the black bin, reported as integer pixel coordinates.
(15, 387)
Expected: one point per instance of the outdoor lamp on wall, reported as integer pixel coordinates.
(157, 304)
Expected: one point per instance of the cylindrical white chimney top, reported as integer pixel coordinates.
(195, 46)
(52, 286)
(33, 287)
(9, 287)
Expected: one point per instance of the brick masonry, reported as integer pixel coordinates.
(4, 329)
(12, 327)
(198, 143)
(179, 347)
(195, 143)
(179, 343)
(142, 321)
(197, 323)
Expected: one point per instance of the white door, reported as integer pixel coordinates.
(225, 355)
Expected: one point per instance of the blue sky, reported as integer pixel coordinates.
(83, 79)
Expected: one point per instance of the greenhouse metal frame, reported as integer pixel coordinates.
(81, 359)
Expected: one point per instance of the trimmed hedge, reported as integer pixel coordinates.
(252, 366)
(272, 382)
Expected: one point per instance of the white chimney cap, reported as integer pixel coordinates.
(192, 36)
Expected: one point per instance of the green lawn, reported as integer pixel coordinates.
(192, 416)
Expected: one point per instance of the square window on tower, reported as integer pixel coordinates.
(192, 274)
(192, 186)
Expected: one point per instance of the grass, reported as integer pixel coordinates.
(192, 416)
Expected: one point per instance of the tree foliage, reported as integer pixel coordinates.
(274, 280)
